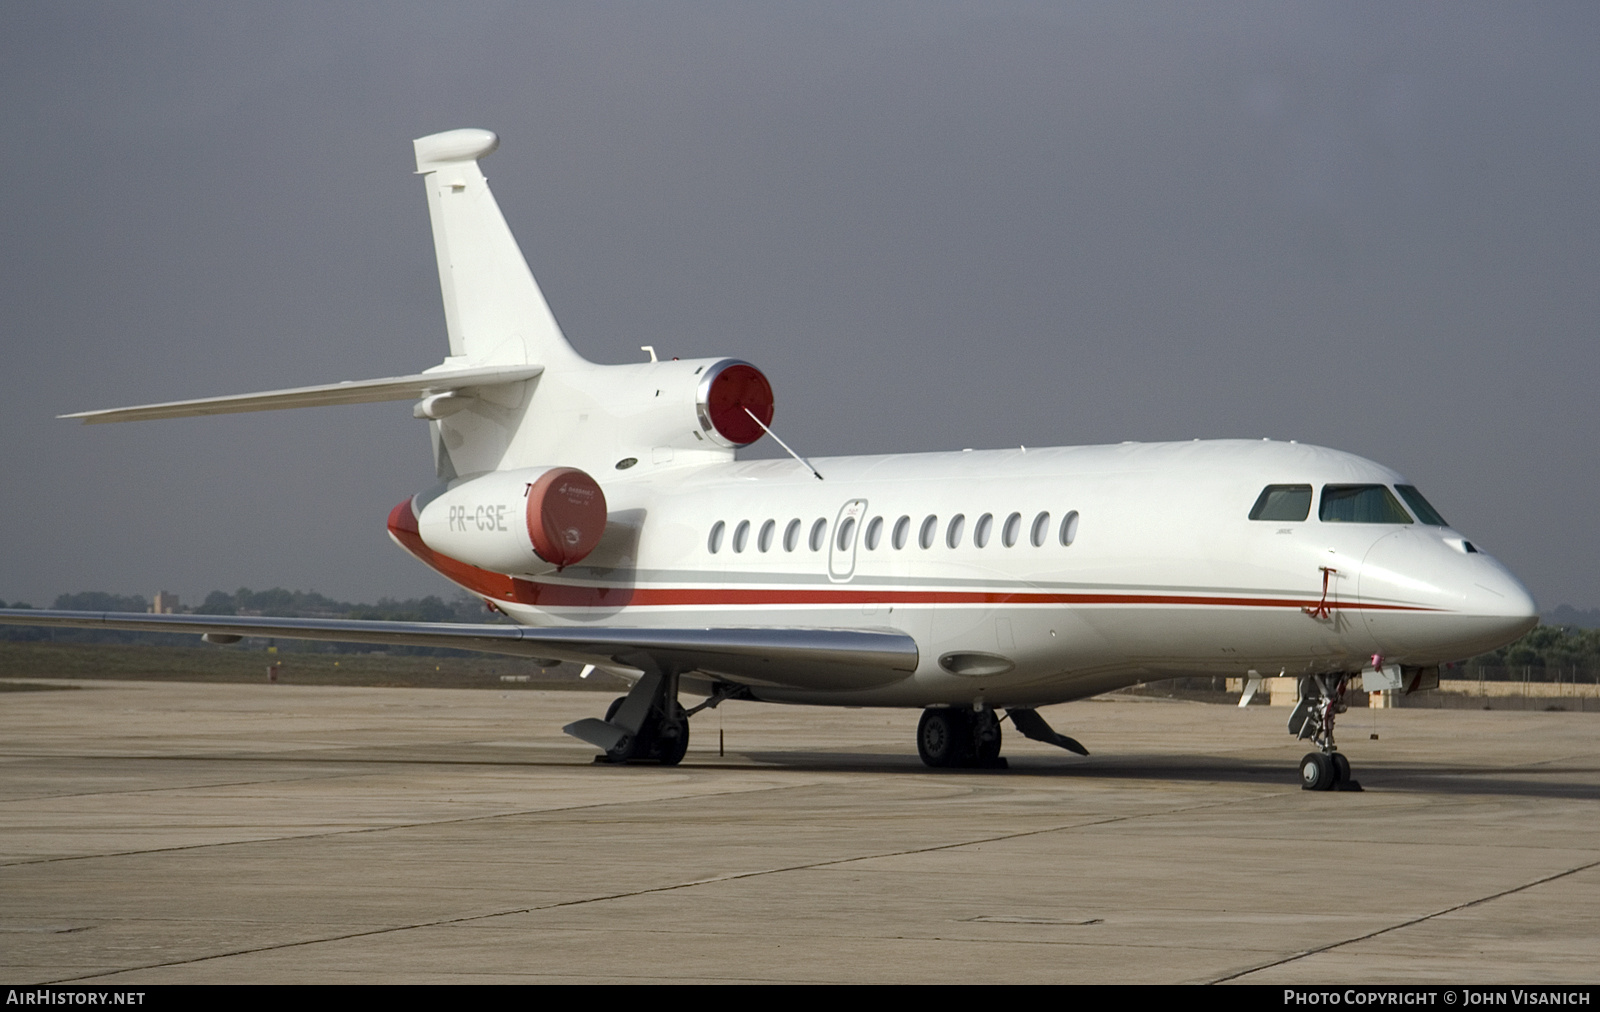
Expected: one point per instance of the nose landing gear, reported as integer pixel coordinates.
(1321, 700)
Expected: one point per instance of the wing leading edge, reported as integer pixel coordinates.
(783, 656)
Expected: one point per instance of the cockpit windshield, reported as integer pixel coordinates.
(1420, 506)
(1361, 504)
(1282, 502)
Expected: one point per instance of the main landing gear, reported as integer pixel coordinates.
(1321, 700)
(956, 737)
(953, 737)
(648, 724)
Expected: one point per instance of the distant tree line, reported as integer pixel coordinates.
(310, 604)
(275, 602)
(1544, 651)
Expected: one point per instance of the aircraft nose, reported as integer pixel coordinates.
(1426, 600)
(1502, 606)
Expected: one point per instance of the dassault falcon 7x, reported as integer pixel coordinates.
(601, 507)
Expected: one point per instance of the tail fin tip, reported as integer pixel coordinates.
(453, 146)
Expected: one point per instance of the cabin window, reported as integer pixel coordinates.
(874, 533)
(741, 535)
(1069, 528)
(902, 531)
(930, 530)
(1361, 504)
(847, 533)
(764, 539)
(1282, 502)
(791, 536)
(981, 532)
(819, 534)
(1012, 530)
(952, 536)
(1041, 529)
(1421, 507)
(715, 541)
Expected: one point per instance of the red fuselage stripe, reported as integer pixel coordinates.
(498, 586)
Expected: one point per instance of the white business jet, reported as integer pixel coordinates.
(601, 507)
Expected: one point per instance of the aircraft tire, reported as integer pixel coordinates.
(670, 751)
(1317, 773)
(986, 738)
(1341, 769)
(944, 737)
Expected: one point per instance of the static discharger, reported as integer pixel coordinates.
(786, 446)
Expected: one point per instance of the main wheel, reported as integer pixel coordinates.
(1341, 769)
(670, 751)
(944, 737)
(1317, 772)
(986, 737)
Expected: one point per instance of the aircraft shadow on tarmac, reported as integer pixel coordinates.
(1543, 781)
(1563, 781)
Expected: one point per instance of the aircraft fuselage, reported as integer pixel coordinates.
(1027, 576)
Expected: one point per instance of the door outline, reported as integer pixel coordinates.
(842, 559)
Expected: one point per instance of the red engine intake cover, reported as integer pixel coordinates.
(733, 388)
(566, 515)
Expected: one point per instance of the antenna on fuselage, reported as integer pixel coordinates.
(781, 443)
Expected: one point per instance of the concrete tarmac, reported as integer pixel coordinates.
(161, 832)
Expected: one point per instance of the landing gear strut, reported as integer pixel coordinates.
(1321, 700)
(648, 724)
(660, 739)
(955, 737)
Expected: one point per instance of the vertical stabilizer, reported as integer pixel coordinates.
(493, 309)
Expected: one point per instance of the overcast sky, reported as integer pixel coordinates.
(1370, 226)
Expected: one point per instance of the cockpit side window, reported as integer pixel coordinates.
(1420, 506)
(1361, 504)
(1282, 502)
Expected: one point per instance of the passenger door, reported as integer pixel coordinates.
(842, 542)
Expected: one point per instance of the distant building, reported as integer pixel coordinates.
(165, 603)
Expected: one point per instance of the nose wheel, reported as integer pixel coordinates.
(1326, 771)
(1321, 700)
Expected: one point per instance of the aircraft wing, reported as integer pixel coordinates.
(774, 656)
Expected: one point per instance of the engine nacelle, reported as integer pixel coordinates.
(521, 521)
(734, 403)
(604, 416)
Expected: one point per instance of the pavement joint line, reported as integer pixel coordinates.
(439, 822)
(266, 781)
(1555, 759)
(630, 894)
(382, 829)
(249, 783)
(1406, 924)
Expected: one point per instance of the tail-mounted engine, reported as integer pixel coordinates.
(734, 403)
(521, 521)
(599, 416)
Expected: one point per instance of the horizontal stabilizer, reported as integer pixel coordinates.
(392, 388)
(791, 657)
